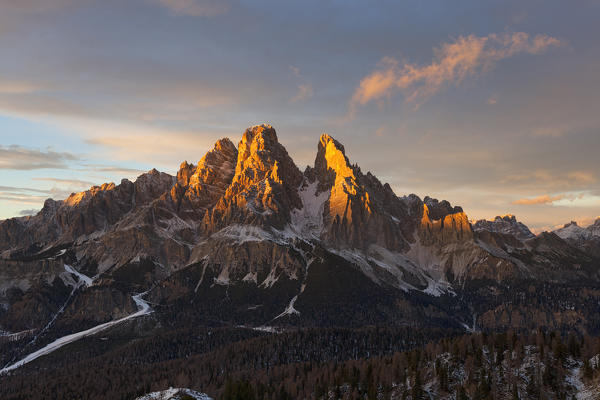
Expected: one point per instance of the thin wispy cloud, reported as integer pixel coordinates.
(22, 158)
(196, 8)
(295, 71)
(63, 181)
(550, 179)
(547, 199)
(113, 169)
(23, 195)
(20, 189)
(22, 198)
(37, 196)
(16, 87)
(452, 63)
(305, 91)
(31, 211)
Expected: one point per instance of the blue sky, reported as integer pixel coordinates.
(492, 105)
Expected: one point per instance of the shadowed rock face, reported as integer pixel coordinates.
(245, 229)
(198, 188)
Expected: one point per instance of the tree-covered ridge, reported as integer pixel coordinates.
(371, 363)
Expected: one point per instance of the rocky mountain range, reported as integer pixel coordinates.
(245, 238)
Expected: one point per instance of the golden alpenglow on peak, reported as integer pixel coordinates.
(446, 228)
(335, 157)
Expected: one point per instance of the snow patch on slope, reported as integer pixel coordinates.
(378, 259)
(308, 221)
(289, 310)
(143, 309)
(83, 279)
(574, 232)
(174, 394)
(243, 233)
(582, 392)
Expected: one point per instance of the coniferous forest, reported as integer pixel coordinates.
(367, 363)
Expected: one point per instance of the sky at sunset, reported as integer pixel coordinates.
(492, 105)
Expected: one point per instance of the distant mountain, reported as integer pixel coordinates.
(587, 238)
(244, 238)
(506, 224)
(572, 231)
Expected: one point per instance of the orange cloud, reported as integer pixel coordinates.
(452, 63)
(546, 199)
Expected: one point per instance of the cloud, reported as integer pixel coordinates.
(551, 131)
(22, 198)
(113, 169)
(20, 189)
(380, 132)
(295, 71)
(34, 195)
(31, 211)
(547, 199)
(23, 195)
(16, 87)
(196, 8)
(70, 182)
(550, 179)
(305, 91)
(452, 63)
(21, 158)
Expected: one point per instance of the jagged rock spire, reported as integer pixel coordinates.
(264, 188)
(360, 211)
(199, 187)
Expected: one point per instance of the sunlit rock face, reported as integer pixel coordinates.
(84, 213)
(442, 224)
(359, 210)
(264, 188)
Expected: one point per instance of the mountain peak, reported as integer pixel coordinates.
(264, 185)
(263, 134)
(198, 187)
(260, 156)
(224, 144)
(325, 139)
(507, 224)
(506, 217)
(332, 166)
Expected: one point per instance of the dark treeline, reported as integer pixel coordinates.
(533, 366)
(324, 364)
(204, 358)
